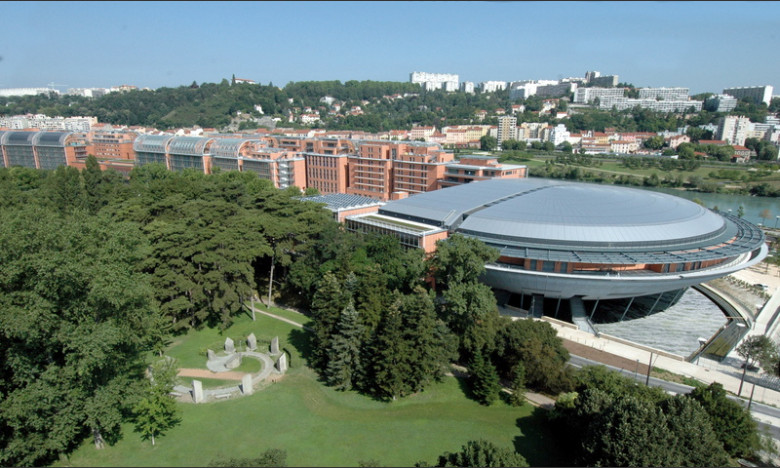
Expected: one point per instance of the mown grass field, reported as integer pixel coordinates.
(319, 426)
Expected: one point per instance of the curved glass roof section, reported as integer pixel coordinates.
(51, 139)
(191, 146)
(229, 147)
(152, 143)
(19, 138)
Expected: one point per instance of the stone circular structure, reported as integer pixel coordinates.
(564, 239)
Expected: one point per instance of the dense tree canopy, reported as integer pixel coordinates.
(619, 423)
(77, 312)
(96, 270)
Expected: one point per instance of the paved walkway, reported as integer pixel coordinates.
(632, 354)
(207, 374)
(277, 317)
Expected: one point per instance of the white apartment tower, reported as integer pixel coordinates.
(432, 81)
(733, 129)
(588, 95)
(492, 86)
(667, 94)
(760, 93)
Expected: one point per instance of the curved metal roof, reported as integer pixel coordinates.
(599, 214)
(579, 222)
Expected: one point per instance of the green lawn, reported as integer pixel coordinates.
(319, 426)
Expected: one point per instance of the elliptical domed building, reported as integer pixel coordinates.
(564, 240)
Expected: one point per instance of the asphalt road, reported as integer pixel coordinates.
(759, 411)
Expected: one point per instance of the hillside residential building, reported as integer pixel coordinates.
(433, 81)
(559, 134)
(9, 92)
(556, 90)
(42, 122)
(652, 104)
(492, 86)
(589, 95)
(721, 103)
(733, 129)
(759, 93)
(666, 94)
(594, 78)
(507, 128)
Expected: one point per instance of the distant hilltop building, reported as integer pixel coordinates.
(492, 86)
(88, 92)
(759, 93)
(42, 122)
(433, 81)
(123, 88)
(666, 94)
(721, 103)
(9, 92)
(671, 105)
(589, 95)
(594, 78)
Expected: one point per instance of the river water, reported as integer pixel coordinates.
(753, 206)
(678, 328)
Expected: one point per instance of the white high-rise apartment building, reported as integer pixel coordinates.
(559, 134)
(588, 95)
(467, 87)
(760, 93)
(432, 81)
(722, 102)
(42, 122)
(492, 86)
(733, 129)
(8, 92)
(667, 94)
(622, 103)
(450, 86)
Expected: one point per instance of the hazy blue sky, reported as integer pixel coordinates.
(704, 46)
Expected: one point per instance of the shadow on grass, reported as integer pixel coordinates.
(301, 340)
(465, 387)
(538, 443)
